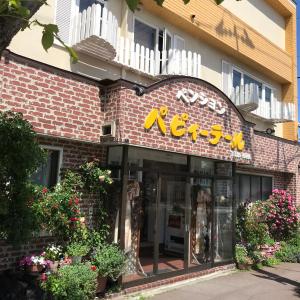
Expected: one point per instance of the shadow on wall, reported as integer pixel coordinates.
(240, 34)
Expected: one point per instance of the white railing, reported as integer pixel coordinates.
(247, 99)
(245, 95)
(172, 62)
(276, 111)
(97, 21)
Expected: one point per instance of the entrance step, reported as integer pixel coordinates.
(160, 286)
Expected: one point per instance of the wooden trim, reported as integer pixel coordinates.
(157, 226)
(188, 211)
(217, 26)
(123, 195)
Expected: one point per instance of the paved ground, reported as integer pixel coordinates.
(279, 283)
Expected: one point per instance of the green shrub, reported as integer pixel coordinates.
(271, 261)
(76, 282)
(77, 249)
(241, 254)
(20, 157)
(250, 226)
(110, 261)
(58, 210)
(289, 250)
(280, 213)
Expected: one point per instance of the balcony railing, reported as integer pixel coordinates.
(246, 98)
(95, 32)
(148, 61)
(275, 111)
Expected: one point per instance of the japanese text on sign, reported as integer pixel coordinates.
(179, 128)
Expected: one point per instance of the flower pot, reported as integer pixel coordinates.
(245, 266)
(101, 284)
(76, 260)
(54, 266)
(34, 268)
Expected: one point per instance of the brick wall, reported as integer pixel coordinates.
(132, 111)
(67, 111)
(74, 154)
(55, 102)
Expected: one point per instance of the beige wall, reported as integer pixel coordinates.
(263, 18)
(211, 57)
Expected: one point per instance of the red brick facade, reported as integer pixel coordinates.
(56, 103)
(68, 111)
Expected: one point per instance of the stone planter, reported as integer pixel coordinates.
(101, 284)
(245, 266)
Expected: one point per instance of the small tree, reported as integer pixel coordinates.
(20, 156)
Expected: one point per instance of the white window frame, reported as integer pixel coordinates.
(156, 52)
(264, 84)
(60, 159)
(150, 25)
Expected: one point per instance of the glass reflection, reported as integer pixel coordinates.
(201, 221)
(223, 221)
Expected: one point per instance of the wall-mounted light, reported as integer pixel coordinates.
(270, 131)
(139, 90)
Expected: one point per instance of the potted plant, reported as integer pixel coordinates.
(241, 256)
(110, 262)
(76, 282)
(76, 250)
(54, 254)
(34, 263)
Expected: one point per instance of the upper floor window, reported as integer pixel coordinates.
(48, 174)
(145, 35)
(244, 81)
(85, 4)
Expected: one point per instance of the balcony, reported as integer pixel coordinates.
(96, 32)
(247, 100)
(158, 63)
(275, 111)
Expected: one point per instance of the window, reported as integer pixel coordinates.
(253, 187)
(85, 4)
(244, 81)
(236, 78)
(48, 174)
(145, 35)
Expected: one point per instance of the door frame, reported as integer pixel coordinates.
(188, 175)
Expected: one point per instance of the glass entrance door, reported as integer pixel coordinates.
(201, 221)
(172, 224)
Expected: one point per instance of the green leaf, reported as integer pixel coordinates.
(14, 3)
(47, 39)
(23, 12)
(132, 4)
(52, 28)
(218, 1)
